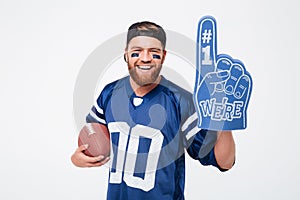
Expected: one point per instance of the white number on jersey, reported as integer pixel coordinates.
(128, 165)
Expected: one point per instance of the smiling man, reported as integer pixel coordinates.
(145, 56)
(145, 63)
(151, 121)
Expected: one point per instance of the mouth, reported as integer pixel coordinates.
(144, 67)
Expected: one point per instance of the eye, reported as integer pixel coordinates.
(155, 56)
(134, 55)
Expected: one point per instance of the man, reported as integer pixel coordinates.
(151, 121)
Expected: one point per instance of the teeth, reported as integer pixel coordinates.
(144, 67)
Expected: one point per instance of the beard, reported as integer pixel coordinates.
(145, 79)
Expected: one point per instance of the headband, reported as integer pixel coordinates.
(155, 33)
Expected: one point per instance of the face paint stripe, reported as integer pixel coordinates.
(135, 55)
(155, 56)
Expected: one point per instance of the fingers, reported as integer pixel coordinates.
(79, 159)
(89, 159)
(99, 163)
(243, 87)
(235, 73)
(206, 47)
(230, 77)
(216, 77)
(224, 62)
(239, 81)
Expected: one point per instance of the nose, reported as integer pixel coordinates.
(145, 56)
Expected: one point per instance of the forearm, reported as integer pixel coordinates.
(225, 149)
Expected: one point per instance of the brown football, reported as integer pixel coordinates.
(97, 137)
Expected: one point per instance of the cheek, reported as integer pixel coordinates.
(131, 62)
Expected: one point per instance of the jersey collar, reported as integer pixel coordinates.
(162, 84)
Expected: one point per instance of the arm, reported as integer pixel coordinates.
(96, 115)
(225, 149)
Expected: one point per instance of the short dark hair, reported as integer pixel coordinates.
(146, 28)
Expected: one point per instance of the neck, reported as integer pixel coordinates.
(145, 89)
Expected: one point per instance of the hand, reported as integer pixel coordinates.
(79, 159)
(223, 86)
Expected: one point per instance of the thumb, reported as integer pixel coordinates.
(216, 77)
(82, 147)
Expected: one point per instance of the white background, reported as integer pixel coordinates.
(43, 45)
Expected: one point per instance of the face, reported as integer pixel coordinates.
(145, 56)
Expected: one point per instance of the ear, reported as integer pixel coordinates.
(164, 56)
(125, 55)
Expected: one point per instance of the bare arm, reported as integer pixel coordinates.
(225, 149)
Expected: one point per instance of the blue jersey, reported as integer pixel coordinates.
(149, 136)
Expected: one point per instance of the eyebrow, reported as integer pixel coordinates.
(151, 48)
(156, 49)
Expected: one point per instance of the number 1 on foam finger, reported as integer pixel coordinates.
(206, 59)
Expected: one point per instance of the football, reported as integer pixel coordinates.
(97, 137)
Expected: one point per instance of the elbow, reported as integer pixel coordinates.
(225, 166)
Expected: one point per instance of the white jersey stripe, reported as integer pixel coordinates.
(191, 119)
(97, 118)
(192, 132)
(98, 109)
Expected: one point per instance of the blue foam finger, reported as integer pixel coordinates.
(222, 90)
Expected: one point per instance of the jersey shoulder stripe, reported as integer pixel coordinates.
(188, 113)
(97, 111)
